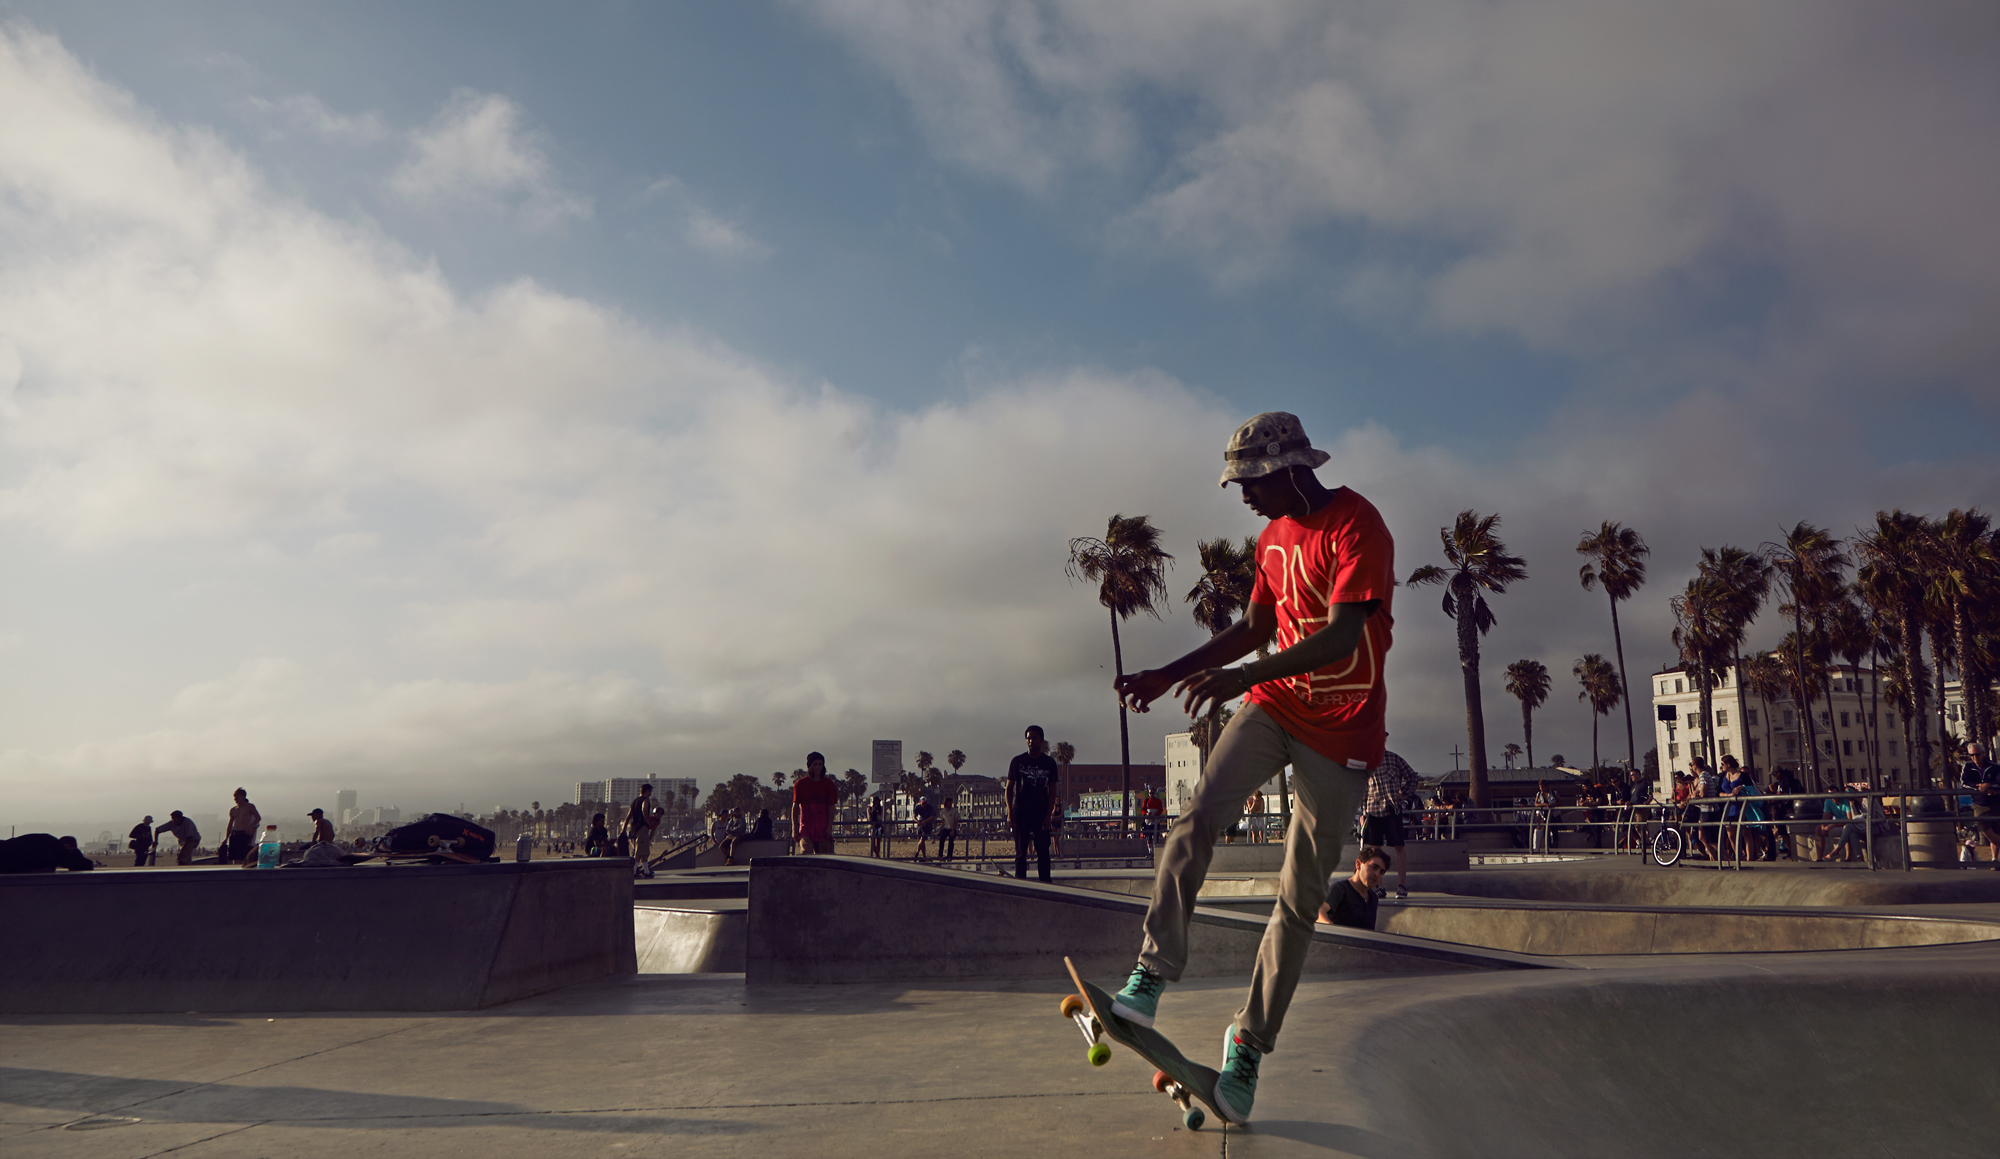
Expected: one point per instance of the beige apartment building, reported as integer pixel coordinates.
(1859, 733)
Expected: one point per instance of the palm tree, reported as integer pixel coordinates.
(1809, 564)
(1479, 563)
(1742, 579)
(1064, 753)
(1892, 581)
(956, 759)
(1602, 687)
(1228, 572)
(1618, 561)
(1700, 624)
(1765, 678)
(1529, 680)
(1963, 574)
(1849, 637)
(1129, 570)
(1512, 752)
(924, 762)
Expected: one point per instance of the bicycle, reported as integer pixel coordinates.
(1669, 843)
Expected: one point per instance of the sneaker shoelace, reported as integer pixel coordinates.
(1145, 983)
(1243, 1064)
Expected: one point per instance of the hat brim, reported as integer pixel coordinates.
(1238, 469)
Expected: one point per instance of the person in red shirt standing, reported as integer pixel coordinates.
(813, 798)
(1325, 577)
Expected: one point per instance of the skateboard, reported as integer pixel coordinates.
(1174, 1076)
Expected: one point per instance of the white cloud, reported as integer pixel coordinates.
(476, 150)
(303, 112)
(710, 232)
(1588, 176)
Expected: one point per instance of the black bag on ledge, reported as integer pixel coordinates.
(439, 835)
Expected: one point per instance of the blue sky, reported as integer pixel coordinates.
(454, 401)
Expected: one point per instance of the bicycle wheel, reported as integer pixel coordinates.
(1667, 846)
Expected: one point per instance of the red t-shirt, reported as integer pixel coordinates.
(815, 797)
(1340, 554)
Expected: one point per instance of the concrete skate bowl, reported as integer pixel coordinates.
(1816, 1062)
(1703, 885)
(1586, 931)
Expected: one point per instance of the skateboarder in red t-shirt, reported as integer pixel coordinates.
(1325, 576)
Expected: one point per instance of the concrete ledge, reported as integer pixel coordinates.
(368, 937)
(1625, 881)
(843, 919)
(1572, 930)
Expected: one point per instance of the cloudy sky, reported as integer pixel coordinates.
(455, 401)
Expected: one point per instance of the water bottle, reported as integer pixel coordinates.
(269, 848)
(524, 847)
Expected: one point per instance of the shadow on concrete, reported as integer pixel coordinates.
(170, 1101)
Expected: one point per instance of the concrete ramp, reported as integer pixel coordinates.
(1818, 1062)
(1625, 881)
(846, 919)
(1573, 931)
(364, 937)
(690, 937)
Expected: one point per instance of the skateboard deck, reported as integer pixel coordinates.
(1174, 1076)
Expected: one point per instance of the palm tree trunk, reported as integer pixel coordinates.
(1805, 692)
(1124, 738)
(1962, 640)
(1875, 708)
(1625, 686)
(1937, 671)
(1916, 721)
(1833, 729)
(1475, 717)
(1528, 730)
(1594, 714)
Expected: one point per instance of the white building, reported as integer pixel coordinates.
(1859, 736)
(1183, 762)
(344, 803)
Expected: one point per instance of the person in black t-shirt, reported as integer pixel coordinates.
(1351, 900)
(1032, 798)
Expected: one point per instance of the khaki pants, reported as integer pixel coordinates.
(642, 844)
(1251, 750)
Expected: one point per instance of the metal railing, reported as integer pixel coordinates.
(1631, 827)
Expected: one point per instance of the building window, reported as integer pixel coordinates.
(1722, 718)
(1750, 718)
(1756, 746)
(1724, 742)
(1892, 720)
(1673, 750)
(1677, 686)
(1892, 748)
(1824, 722)
(1843, 720)
(1847, 748)
(1791, 746)
(1663, 688)
(1788, 718)
(1826, 748)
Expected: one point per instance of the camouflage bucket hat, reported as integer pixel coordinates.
(1269, 442)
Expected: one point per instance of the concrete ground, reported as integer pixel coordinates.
(1862, 1052)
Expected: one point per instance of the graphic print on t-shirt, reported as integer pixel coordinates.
(1303, 611)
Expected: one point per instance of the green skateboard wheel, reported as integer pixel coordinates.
(1194, 1118)
(1099, 1054)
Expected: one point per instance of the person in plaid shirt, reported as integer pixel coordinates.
(1392, 783)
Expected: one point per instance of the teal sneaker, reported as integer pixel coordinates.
(1139, 1001)
(1236, 1086)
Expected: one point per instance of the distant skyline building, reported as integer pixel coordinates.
(344, 803)
(588, 793)
(887, 766)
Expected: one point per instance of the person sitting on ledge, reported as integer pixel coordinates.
(42, 853)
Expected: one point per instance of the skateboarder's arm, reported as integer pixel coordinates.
(1332, 643)
(1253, 631)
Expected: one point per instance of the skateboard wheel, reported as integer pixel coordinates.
(1072, 1006)
(1099, 1054)
(1194, 1119)
(1161, 1080)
